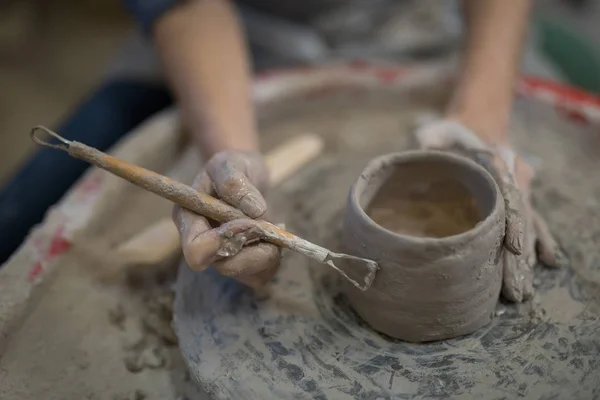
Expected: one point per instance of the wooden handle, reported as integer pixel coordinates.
(161, 240)
(163, 186)
(287, 158)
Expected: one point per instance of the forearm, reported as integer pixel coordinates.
(202, 48)
(483, 97)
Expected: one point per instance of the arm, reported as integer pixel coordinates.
(483, 97)
(201, 45)
(481, 103)
(202, 49)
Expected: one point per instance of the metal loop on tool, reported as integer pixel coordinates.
(64, 143)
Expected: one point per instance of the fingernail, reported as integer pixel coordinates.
(514, 234)
(512, 293)
(517, 243)
(252, 207)
(528, 290)
(561, 259)
(514, 243)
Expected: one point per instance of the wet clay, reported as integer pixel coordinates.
(435, 225)
(305, 341)
(419, 204)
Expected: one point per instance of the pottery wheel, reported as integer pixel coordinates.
(304, 341)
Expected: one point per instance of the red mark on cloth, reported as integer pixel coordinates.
(565, 93)
(91, 184)
(266, 75)
(569, 101)
(572, 114)
(58, 245)
(360, 65)
(323, 91)
(390, 75)
(384, 74)
(282, 73)
(35, 271)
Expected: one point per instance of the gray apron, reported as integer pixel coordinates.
(293, 32)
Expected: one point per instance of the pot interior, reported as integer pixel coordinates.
(428, 196)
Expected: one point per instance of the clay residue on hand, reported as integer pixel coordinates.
(424, 208)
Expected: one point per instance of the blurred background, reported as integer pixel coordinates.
(52, 53)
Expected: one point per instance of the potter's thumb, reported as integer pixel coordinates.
(234, 187)
(515, 233)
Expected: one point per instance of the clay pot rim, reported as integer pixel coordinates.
(391, 159)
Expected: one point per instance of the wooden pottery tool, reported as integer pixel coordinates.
(160, 241)
(212, 208)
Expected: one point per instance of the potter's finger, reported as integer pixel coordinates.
(189, 224)
(203, 248)
(515, 222)
(200, 248)
(426, 118)
(446, 134)
(504, 162)
(548, 249)
(259, 281)
(234, 187)
(462, 137)
(530, 256)
(434, 137)
(518, 279)
(184, 219)
(203, 183)
(530, 253)
(512, 278)
(528, 290)
(251, 260)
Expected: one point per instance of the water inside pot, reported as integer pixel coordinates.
(427, 198)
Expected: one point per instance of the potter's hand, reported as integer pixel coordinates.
(525, 229)
(238, 178)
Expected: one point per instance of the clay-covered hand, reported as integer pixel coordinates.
(238, 178)
(527, 236)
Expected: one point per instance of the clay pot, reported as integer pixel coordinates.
(440, 278)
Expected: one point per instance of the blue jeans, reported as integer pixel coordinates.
(109, 113)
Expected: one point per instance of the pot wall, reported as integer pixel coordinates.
(427, 288)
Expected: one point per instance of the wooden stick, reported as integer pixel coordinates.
(215, 209)
(160, 241)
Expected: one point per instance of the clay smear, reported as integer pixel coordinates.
(424, 208)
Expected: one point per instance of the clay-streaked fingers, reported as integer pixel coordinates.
(203, 247)
(548, 249)
(530, 237)
(517, 280)
(203, 183)
(514, 209)
(259, 280)
(447, 134)
(503, 161)
(431, 138)
(233, 186)
(252, 260)
(191, 225)
(187, 222)
(512, 279)
(514, 283)
(528, 290)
